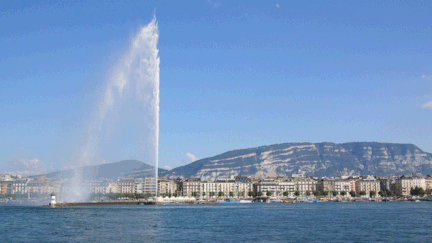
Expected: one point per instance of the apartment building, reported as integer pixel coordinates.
(367, 185)
(333, 184)
(207, 189)
(304, 185)
(404, 184)
(166, 186)
(97, 186)
(126, 185)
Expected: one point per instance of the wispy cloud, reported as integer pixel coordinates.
(191, 157)
(427, 105)
(426, 76)
(277, 5)
(167, 167)
(214, 4)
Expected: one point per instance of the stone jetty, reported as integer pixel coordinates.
(109, 203)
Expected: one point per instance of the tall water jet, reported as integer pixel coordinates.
(125, 124)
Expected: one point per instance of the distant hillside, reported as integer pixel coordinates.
(315, 159)
(121, 169)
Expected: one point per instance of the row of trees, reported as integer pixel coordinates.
(417, 191)
(308, 193)
(24, 195)
(113, 196)
(221, 194)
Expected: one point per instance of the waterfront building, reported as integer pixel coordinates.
(42, 185)
(242, 188)
(209, 189)
(342, 185)
(367, 185)
(404, 184)
(191, 186)
(3, 188)
(6, 187)
(333, 184)
(304, 185)
(150, 185)
(97, 186)
(428, 182)
(166, 186)
(326, 184)
(267, 185)
(352, 185)
(19, 186)
(112, 187)
(126, 185)
(283, 184)
(385, 182)
(11, 183)
(139, 185)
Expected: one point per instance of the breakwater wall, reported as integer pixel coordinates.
(86, 204)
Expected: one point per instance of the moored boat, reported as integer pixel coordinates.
(229, 201)
(288, 201)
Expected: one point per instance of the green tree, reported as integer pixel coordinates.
(212, 194)
(194, 194)
(372, 193)
(352, 193)
(417, 191)
(269, 193)
(343, 193)
(285, 194)
(389, 193)
(363, 193)
(308, 193)
(325, 193)
(382, 193)
(241, 194)
(203, 194)
(260, 193)
(334, 193)
(429, 191)
(251, 194)
(317, 193)
(221, 194)
(297, 193)
(231, 194)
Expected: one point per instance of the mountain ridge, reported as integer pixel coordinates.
(314, 159)
(115, 170)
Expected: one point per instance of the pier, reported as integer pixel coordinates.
(114, 203)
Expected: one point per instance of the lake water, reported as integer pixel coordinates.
(275, 222)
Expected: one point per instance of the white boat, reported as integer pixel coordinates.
(245, 201)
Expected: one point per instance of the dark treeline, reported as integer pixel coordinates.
(113, 196)
(24, 195)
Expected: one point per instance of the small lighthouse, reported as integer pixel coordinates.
(53, 200)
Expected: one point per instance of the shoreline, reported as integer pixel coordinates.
(132, 203)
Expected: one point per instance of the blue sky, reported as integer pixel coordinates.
(233, 74)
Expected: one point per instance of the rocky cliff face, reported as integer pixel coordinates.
(315, 159)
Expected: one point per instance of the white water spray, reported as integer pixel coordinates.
(126, 124)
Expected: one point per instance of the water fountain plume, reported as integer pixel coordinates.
(125, 124)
